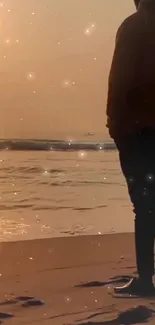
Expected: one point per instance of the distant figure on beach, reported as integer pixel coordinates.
(131, 123)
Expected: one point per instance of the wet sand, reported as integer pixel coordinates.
(68, 277)
(41, 197)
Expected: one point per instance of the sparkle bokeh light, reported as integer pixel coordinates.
(56, 43)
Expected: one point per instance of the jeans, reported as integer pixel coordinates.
(137, 160)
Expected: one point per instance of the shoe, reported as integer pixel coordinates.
(136, 287)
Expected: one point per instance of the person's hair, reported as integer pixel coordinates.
(136, 2)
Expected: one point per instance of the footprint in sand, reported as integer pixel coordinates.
(33, 303)
(15, 300)
(5, 315)
(24, 298)
(25, 301)
(136, 315)
(28, 301)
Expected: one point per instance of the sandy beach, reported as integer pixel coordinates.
(68, 277)
(66, 236)
(66, 222)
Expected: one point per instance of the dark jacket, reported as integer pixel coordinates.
(131, 90)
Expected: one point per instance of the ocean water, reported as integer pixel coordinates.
(54, 193)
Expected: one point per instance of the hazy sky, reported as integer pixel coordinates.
(54, 61)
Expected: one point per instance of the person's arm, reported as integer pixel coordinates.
(123, 69)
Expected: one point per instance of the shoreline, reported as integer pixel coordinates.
(70, 237)
(60, 224)
(58, 145)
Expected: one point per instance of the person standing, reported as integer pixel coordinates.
(131, 123)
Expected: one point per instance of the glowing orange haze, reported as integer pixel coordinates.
(54, 58)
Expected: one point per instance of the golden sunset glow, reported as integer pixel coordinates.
(55, 57)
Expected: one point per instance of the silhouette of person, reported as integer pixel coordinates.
(131, 123)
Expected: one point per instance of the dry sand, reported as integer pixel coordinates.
(52, 270)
